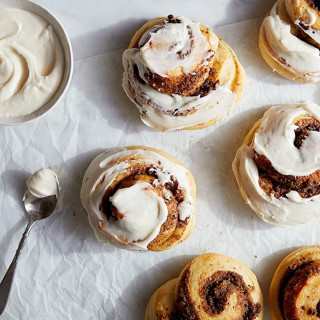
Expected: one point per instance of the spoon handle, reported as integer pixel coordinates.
(6, 282)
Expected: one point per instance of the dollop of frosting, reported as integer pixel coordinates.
(143, 210)
(43, 183)
(295, 54)
(140, 206)
(31, 62)
(275, 140)
(173, 45)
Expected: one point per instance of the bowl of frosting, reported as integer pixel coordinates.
(35, 61)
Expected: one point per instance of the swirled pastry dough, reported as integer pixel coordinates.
(277, 167)
(289, 39)
(180, 75)
(211, 286)
(139, 198)
(294, 290)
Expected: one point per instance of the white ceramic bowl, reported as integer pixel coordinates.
(68, 58)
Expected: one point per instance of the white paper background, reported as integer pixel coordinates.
(64, 273)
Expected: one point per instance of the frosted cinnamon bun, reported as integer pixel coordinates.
(289, 39)
(212, 286)
(278, 166)
(139, 198)
(180, 75)
(294, 290)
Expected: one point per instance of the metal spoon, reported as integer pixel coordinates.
(38, 208)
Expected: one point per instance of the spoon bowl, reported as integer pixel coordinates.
(40, 208)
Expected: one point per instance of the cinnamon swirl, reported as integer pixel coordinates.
(212, 286)
(278, 166)
(289, 39)
(294, 290)
(139, 198)
(180, 75)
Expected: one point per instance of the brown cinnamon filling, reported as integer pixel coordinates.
(315, 311)
(314, 4)
(294, 279)
(217, 290)
(272, 182)
(187, 85)
(172, 19)
(184, 307)
(215, 293)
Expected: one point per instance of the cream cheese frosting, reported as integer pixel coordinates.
(31, 62)
(159, 52)
(297, 54)
(144, 211)
(275, 140)
(168, 112)
(43, 183)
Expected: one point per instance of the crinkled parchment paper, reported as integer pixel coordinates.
(64, 273)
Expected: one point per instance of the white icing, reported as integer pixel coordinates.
(299, 55)
(31, 62)
(292, 209)
(161, 52)
(172, 112)
(105, 168)
(276, 135)
(144, 213)
(43, 183)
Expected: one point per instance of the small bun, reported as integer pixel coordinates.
(211, 286)
(289, 40)
(294, 290)
(139, 198)
(180, 75)
(278, 166)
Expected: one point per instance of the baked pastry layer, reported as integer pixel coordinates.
(180, 75)
(278, 166)
(211, 286)
(139, 198)
(289, 39)
(294, 290)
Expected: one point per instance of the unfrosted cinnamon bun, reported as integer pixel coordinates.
(294, 290)
(180, 75)
(139, 198)
(278, 166)
(289, 39)
(212, 286)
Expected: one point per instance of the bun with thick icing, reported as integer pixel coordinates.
(278, 166)
(139, 198)
(180, 75)
(289, 39)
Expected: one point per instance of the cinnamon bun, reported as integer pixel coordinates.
(294, 290)
(289, 39)
(139, 198)
(212, 286)
(278, 166)
(180, 75)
